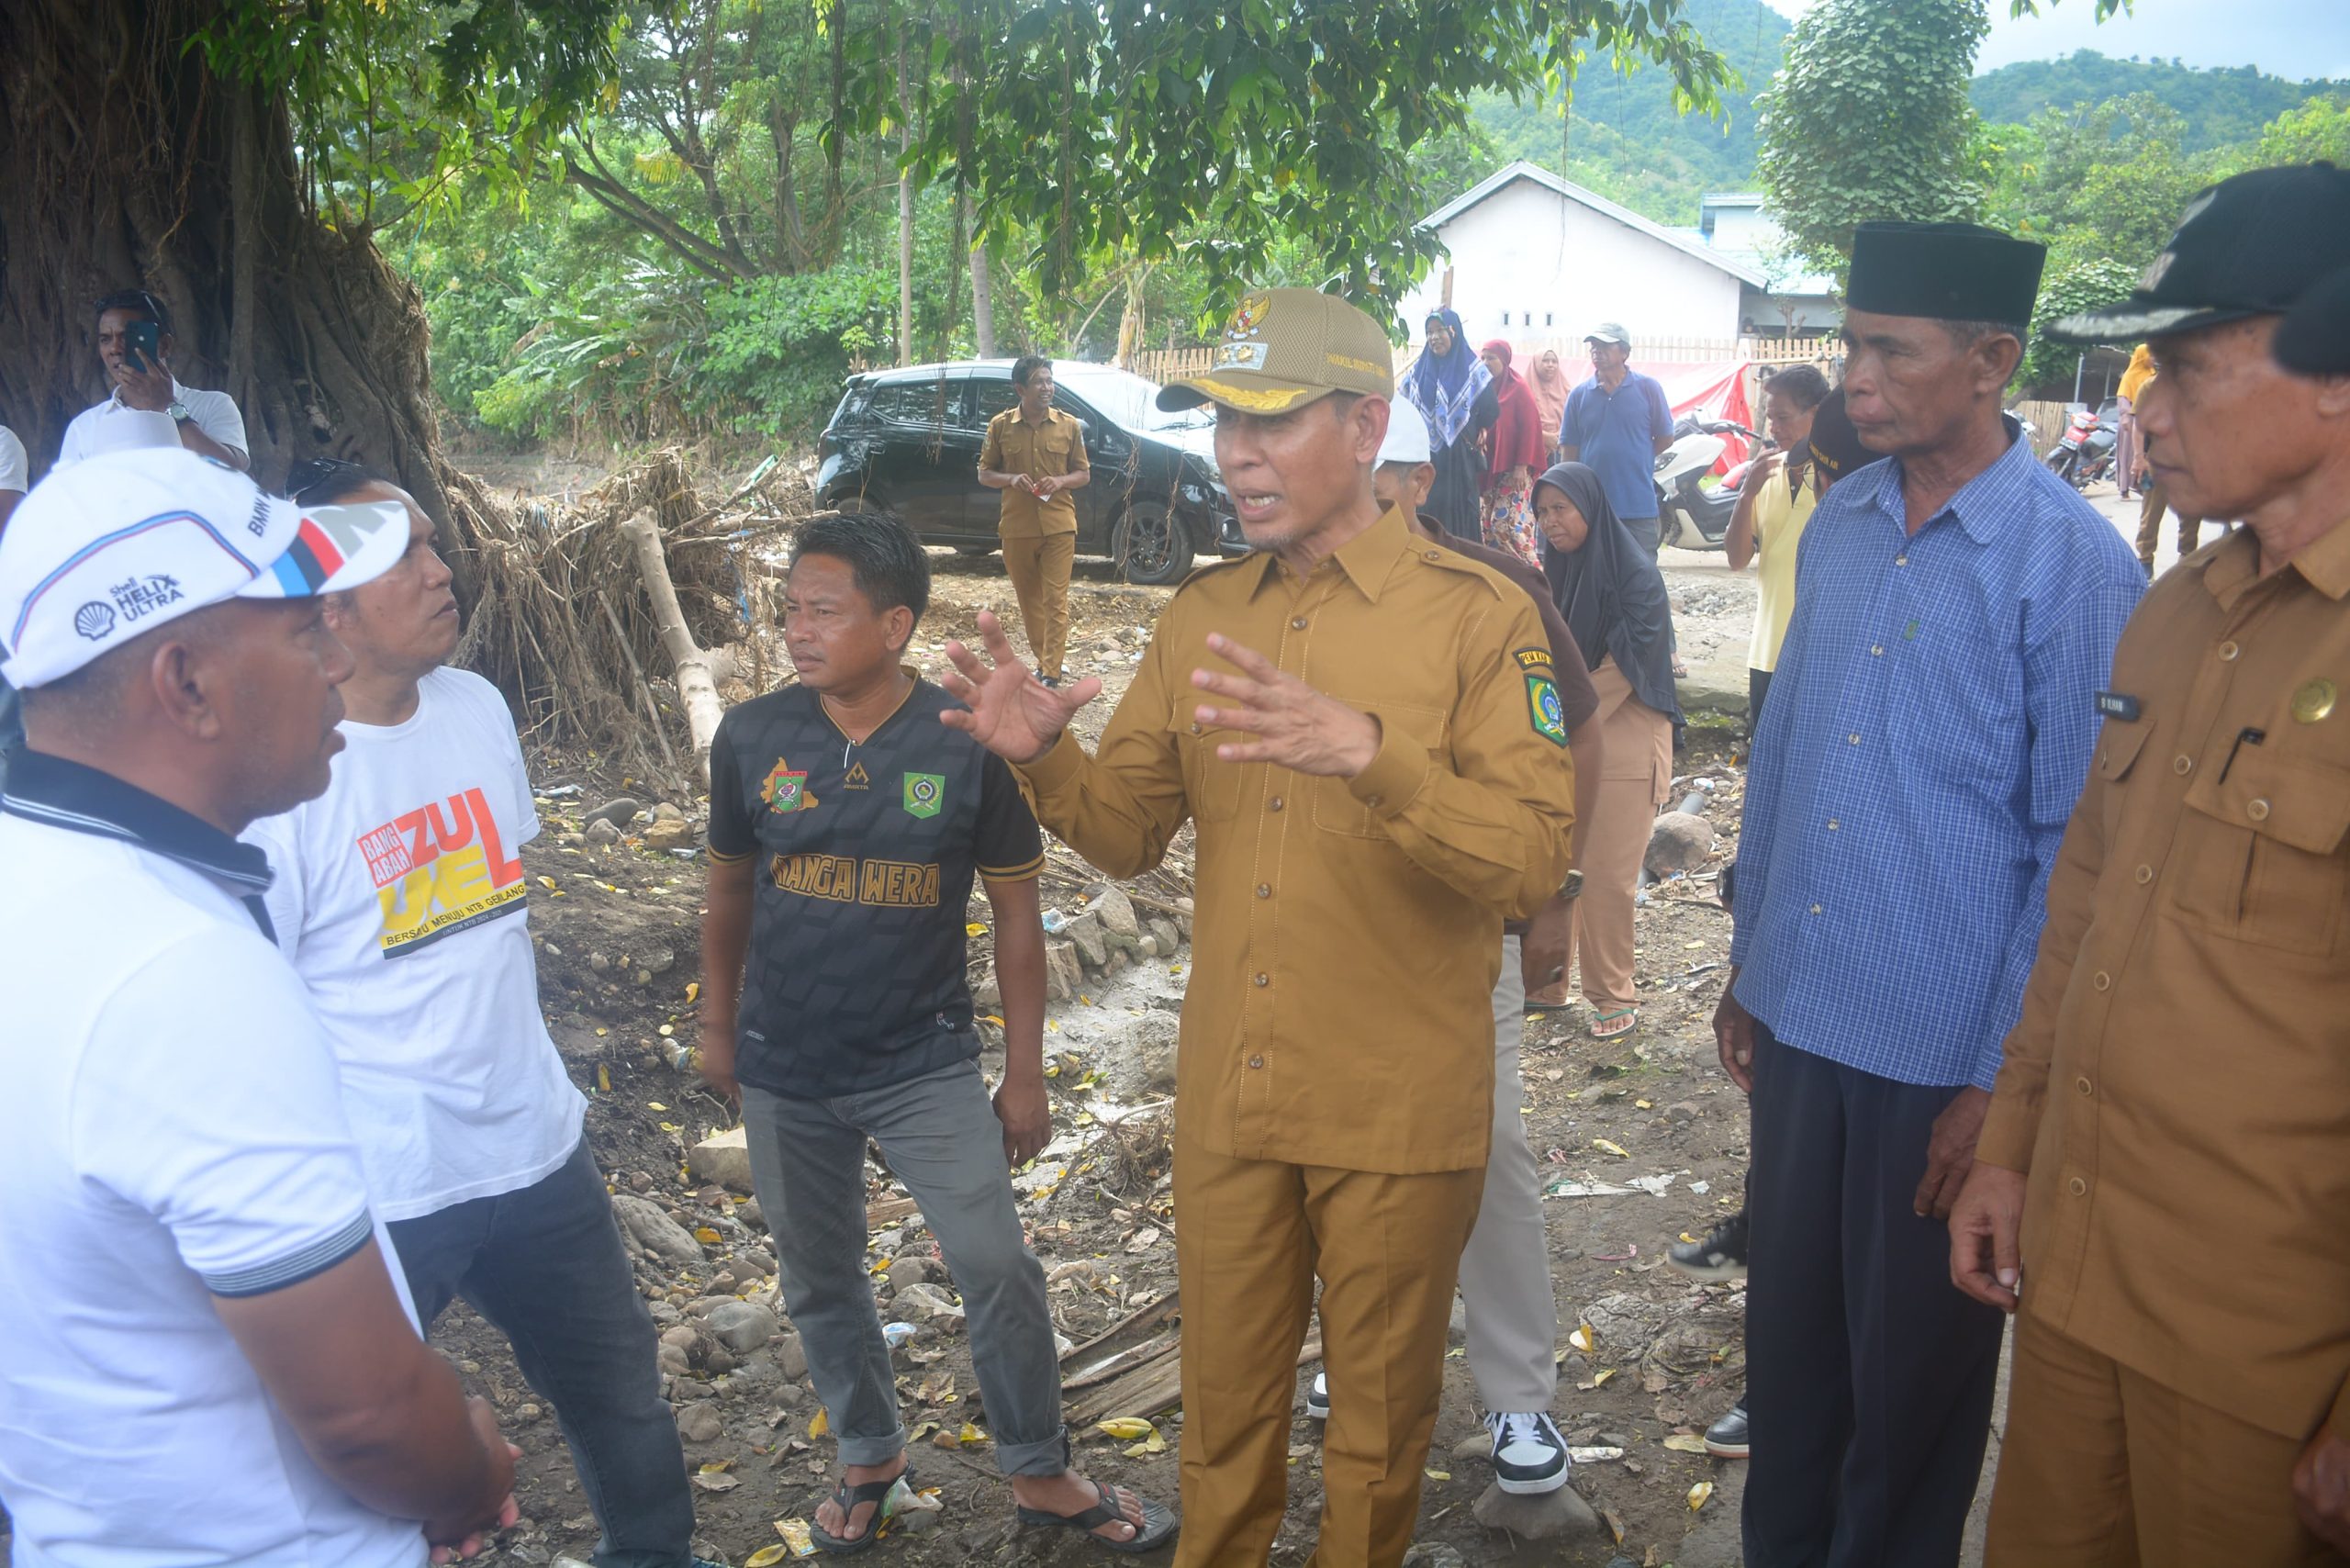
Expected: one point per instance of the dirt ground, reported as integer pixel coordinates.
(1642, 1137)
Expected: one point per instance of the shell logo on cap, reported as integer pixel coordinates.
(94, 620)
(1250, 320)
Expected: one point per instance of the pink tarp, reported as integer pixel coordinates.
(1711, 389)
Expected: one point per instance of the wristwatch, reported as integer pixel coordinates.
(1573, 887)
(178, 411)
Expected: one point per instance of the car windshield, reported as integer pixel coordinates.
(1127, 397)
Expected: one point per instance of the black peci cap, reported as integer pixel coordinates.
(2314, 337)
(2248, 246)
(1947, 272)
(1836, 448)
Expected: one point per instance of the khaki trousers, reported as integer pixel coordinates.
(2155, 502)
(1505, 1269)
(1636, 771)
(2103, 1467)
(1251, 1235)
(1038, 566)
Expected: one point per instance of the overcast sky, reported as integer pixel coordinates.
(2294, 38)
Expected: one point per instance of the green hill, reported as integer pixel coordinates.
(2219, 106)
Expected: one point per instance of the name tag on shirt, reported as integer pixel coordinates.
(2114, 705)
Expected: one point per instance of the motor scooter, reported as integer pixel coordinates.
(2084, 454)
(1689, 516)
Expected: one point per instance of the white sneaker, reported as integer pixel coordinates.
(1317, 1400)
(1530, 1454)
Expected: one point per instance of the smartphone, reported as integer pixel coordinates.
(142, 344)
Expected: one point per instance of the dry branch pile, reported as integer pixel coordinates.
(564, 622)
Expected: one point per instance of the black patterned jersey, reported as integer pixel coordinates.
(856, 973)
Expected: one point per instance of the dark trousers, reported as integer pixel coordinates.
(1758, 687)
(1869, 1377)
(545, 1265)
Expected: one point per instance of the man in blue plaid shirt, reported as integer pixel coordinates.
(1956, 611)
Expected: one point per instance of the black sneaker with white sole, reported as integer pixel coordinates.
(1722, 1256)
(1530, 1454)
(1317, 1398)
(1725, 1438)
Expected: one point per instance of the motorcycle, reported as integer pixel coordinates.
(2084, 454)
(1689, 516)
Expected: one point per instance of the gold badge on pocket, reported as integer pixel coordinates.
(2313, 700)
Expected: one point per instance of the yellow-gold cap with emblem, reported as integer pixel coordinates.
(1285, 347)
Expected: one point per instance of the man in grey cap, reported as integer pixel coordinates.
(2160, 1413)
(1618, 425)
(1929, 727)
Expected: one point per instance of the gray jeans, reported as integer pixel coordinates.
(1506, 1271)
(940, 1135)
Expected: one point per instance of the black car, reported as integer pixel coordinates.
(908, 441)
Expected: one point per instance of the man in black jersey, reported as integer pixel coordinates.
(846, 824)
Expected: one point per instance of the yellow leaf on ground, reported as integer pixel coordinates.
(1643, 1105)
(975, 929)
(1599, 1380)
(818, 1426)
(654, 1106)
(669, 1029)
(707, 1237)
(1699, 1494)
(1605, 1146)
(1126, 1429)
(547, 882)
(1439, 1476)
(1682, 1442)
(603, 1078)
(693, 992)
(1582, 1339)
(970, 1436)
(768, 1556)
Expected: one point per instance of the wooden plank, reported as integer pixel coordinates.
(1153, 1388)
(1149, 1315)
(878, 1214)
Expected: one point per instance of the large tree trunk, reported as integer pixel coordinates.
(127, 164)
(982, 292)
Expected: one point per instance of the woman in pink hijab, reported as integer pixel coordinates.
(1551, 388)
(1520, 451)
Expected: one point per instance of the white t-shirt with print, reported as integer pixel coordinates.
(400, 898)
(15, 472)
(171, 1131)
(113, 425)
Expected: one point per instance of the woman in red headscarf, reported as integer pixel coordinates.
(1518, 453)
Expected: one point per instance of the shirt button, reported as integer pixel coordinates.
(1274, 804)
(1195, 726)
(1263, 980)
(1371, 801)
(2081, 1084)
(2228, 651)
(1256, 1062)
(2145, 874)
(2077, 1186)
(1814, 909)
(1901, 560)
(2103, 981)
(1831, 824)
(2257, 811)
(2182, 765)
(1431, 556)
(1852, 739)
(1876, 650)
(1264, 890)
(1297, 623)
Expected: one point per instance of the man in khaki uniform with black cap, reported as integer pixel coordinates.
(1365, 730)
(2169, 1134)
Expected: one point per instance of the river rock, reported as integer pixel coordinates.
(620, 810)
(723, 1158)
(1679, 841)
(698, 1422)
(1169, 939)
(602, 831)
(1092, 943)
(741, 1327)
(669, 832)
(1062, 975)
(654, 1231)
(1561, 1515)
(1117, 913)
(1150, 1045)
(789, 1356)
(911, 1270)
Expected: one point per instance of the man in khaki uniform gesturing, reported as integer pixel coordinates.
(1366, 731)
(1035, 455)
(2170, 1129)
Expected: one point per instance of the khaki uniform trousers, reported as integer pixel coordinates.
(1251, 1235)
(1038, 566)
(2151, 507)
(1636, 773)
(2103, 1467)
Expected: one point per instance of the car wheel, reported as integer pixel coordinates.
(1151, 546)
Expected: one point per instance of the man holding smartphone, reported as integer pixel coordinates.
(148, 407)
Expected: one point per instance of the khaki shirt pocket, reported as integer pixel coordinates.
(2118, 745)
(1211, 784)
(2261, 853)
(1052, 451)
(1335, 809)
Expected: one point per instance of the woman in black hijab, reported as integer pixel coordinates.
(1613, 598)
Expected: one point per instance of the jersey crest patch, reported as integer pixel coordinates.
(1547, 714)
(925, 792)
(786, 790)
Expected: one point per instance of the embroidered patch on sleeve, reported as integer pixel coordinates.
(1542, 705)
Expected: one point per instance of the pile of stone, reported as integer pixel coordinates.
(1108, 933)
(657, 826)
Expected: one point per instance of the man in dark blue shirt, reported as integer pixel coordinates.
(1618, 425)
(846, 824)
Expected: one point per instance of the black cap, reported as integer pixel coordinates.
(1836, 448)
(2248, 246)
(1947, 272)
(2314, 337)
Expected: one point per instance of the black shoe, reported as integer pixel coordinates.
(1722, 1256)
(1317, 1398)
(1725, 1438)
(1530, 1456)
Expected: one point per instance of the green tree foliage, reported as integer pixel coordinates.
(2066, 288)
(2318, 132)
(2217, 107)
(2108, 182)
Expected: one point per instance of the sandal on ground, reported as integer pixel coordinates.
(1609, 1025)
(853, 1497)
(1564, 1004)
(1158, 1525)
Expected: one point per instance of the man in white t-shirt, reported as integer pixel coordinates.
(148, 407)
(207, 1358)
(401, 900)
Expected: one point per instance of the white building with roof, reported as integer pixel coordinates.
(1792, 302)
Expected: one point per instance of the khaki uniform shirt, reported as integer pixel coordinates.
(2178, 1086)
(1349, 930)
(1041, 452)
